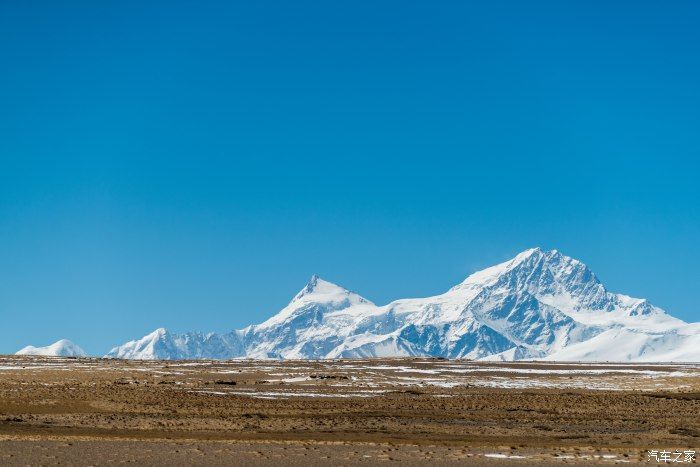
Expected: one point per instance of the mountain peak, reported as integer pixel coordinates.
(318, 286)
(491, 274)
(155, 335)
(313, 282)
(535, 268)
(317, 294)
(529, 252)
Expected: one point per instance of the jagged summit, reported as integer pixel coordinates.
(539, 304)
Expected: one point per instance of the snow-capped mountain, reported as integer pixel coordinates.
(539, 305)
(62, 348)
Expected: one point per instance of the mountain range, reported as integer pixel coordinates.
(539, 305)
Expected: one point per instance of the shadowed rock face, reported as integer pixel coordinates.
(540, 304)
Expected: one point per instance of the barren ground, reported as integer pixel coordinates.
(93, 411)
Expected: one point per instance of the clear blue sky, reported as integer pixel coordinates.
(191, 164)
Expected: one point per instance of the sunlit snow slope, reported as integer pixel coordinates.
(539, 305)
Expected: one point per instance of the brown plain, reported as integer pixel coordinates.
(346, 412)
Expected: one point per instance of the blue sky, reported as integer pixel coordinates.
(191, 164)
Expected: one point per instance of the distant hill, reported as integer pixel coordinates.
(62, 348)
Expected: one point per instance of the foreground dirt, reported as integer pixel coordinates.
(91, 411)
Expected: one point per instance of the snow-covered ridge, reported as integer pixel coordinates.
(539, 305)
(62, 348)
